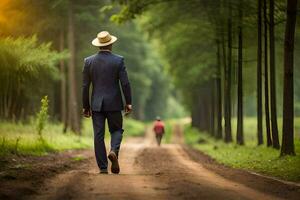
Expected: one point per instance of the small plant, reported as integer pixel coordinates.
(17, 145)
(42, 116)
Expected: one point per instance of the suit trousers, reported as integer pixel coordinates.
(115, 123)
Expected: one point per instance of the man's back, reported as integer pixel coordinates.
(105, 70)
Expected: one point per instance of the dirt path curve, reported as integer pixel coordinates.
(149, 172)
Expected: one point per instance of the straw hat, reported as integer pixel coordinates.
(104, 39)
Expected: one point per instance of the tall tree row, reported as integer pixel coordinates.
(233, 28)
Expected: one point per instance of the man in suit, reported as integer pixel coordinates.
(107, 74)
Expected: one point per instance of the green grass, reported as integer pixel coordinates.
(133, 127)
(78, 158)
(259, 159)
(168, 131)
(19, 138)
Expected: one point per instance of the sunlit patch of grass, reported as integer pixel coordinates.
(18, 138)
(168, 131)
(133, 127)
(251, 157)
(78, 158)
(169, 125)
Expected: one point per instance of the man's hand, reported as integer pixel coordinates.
(128, 109)
(86, 113)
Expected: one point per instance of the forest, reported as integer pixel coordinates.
(221, 54)
(221, 74)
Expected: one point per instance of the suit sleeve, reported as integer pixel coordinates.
(125, 83)
(86, 81)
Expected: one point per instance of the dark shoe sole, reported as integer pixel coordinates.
(103, 171)
(114, 162)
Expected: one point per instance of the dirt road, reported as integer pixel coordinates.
(168, 172)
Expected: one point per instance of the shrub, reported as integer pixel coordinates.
(28, 70)
(42, 116)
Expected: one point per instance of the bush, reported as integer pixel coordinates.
(42, 116)
(28, 69)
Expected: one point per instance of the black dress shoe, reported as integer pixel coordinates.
(115, 168)
(103, 171)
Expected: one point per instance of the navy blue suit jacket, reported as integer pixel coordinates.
(106, 72)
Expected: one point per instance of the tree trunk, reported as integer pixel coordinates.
(228, 135)
(219, 93)
(288, 96)
(195, 115)
(212, 103)
(207, 106)
(267, 111)
(63, 89)
(274, 125)
(259, 75)
(240, 134)
(202, 110)
(224, 56)
(73, 106)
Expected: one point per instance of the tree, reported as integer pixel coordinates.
(267, 109)
(288, 97)
(73, 117)
(259, 74)
(274, 125)
(240, 134)
(228, 134)
(219, 92)
(63, 89)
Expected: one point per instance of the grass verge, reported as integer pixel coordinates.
(168, 131)
(251, 157)
(133, 128)
(19, 138)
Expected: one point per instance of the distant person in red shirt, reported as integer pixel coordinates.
(159, 130)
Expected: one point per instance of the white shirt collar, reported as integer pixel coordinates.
(105, 50)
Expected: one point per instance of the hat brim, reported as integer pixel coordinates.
(96, 42)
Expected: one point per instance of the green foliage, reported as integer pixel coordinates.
(187, 33)
(42, 116)
(169, 124)
(187, 44)
(147, 74)
(28, 56)
(151, 87)
(133, 127)
(251, 157)
(27, 69)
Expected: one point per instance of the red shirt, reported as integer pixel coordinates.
(159, 127)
